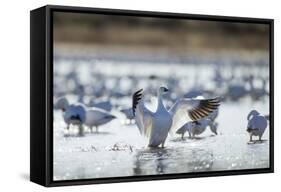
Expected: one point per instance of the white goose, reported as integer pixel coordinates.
(257, 93)
(257, 124)
(128, 112)
(74, 114)
(186, 127)
(105, 105)
(156, 126)
(197, 127)
(96, 117)
(80, 114)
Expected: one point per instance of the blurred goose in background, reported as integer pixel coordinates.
(257, 92)
(156, 125)
(81, 93)
(74, 114)
(236, 88)
(194, 92)
(218, 78)
(128, 112)
(236, 91)
(96, 117)
(79, 114)
(105, 105)
(257, 124)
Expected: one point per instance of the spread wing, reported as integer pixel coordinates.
(142, 115)
(185, 110)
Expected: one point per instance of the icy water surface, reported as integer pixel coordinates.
(119, 150)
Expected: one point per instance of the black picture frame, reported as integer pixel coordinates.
(41, 99)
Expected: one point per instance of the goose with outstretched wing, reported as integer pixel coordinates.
(156, 125)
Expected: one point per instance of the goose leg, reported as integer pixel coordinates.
(251, 138)
(182, 135)
(67, 127)
(81, 131)
(66, 132)
(193, 136)
(259, 137)
(97, 129)
(91, 129)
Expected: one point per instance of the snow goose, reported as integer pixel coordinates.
(218, 78)
(156, 125)
(74, 114)
(188, 126)
(236, 91)
(128, 112)
(257, 92)
(257, 124)
(96, 117)
(197, 127)
(105, 105)
(79, 114)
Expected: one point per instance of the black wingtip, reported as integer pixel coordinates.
(205, 108)
(136, 98)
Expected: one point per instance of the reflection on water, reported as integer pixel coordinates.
(151, 161)
(174, 160)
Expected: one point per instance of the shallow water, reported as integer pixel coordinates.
(119, 150)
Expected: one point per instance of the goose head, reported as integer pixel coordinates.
(163, 90)
(62, 103)
(252, 113)
(112, 117)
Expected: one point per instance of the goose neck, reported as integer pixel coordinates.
(160, 102)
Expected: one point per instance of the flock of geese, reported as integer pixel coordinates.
(230, 84)
(192, 115)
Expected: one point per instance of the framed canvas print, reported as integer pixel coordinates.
(122, 95)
